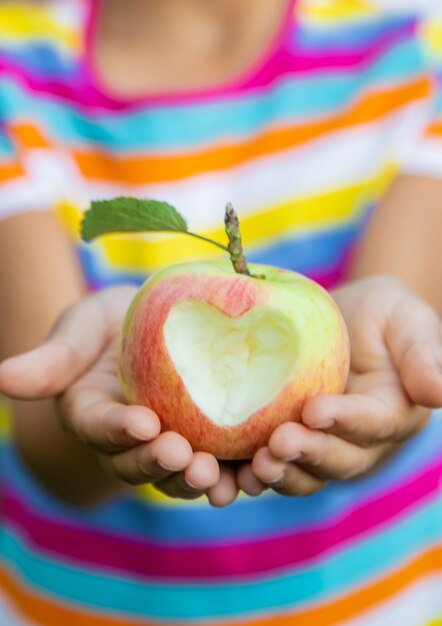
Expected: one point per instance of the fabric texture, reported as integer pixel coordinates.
(304, 144)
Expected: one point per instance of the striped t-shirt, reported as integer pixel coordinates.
(304, 144)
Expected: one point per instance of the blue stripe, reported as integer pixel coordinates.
(310, 252)
(100, 274)
(41, 60)
(437, 111)
(196, 125)
(246, 519)
(347, 570)
(312, 36)
(6, 147)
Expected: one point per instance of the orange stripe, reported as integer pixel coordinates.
(48, 613)
(25, 137)
(435, 130)
(101, 166)
(10, 171)
(363, 600)
(28, 136)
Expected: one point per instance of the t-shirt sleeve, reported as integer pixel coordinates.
(28, 180)
(425, 158)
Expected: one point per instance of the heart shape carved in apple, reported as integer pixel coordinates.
(231, 367)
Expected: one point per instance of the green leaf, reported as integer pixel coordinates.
(129, 215)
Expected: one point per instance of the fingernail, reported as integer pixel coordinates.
(256, 492)
(167, 468)
(275, 481)
(138, 435)
(324, 425)
(294, 458)
(192, 487)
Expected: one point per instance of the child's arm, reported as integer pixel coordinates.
(39, 278)
(405, 238)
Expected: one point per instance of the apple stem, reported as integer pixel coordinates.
(237, 257)
(215, 243)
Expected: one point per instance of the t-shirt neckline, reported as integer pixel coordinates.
(238, 81)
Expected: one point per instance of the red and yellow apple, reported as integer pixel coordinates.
(224, 358)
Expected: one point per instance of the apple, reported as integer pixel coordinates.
(224, 358)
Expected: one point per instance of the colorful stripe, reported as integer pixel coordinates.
(226, 560)
(52, 613)
(381, 553)
(35, 22)
(319, 36)
(240, 117)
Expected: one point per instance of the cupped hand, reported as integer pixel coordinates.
(395, 380)
(77, 365)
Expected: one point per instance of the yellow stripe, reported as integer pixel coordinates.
(32, 20)
(432, 36)
(337, 10)
(151, 494)
(5, 419)
(70, 217)
(148, 253)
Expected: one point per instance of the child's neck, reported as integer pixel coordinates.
(169, 45)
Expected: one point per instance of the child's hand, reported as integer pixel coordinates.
(396, 370)
(78, 364)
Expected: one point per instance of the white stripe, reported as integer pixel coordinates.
(336, 161)
(417, 605)
(69, 14)
(427, 159)
(339, 160)
(420, 7)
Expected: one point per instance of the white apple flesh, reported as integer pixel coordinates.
(224, 358)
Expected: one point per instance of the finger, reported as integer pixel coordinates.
(324, 455)
(92, 410)
(414, 338)
(284, 477)
(202, 474)
(366, 420)
(151, 462)
(110, 427)
(226, 490)
(248, 482)
(74, 344)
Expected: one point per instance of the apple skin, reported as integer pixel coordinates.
(149, 377)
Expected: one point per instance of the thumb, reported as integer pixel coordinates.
(414, 338)
(74, 344)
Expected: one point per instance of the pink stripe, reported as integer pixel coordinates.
(92, 548)
(328, 280)
(332, 60)
(81, 92)
(331, 278)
